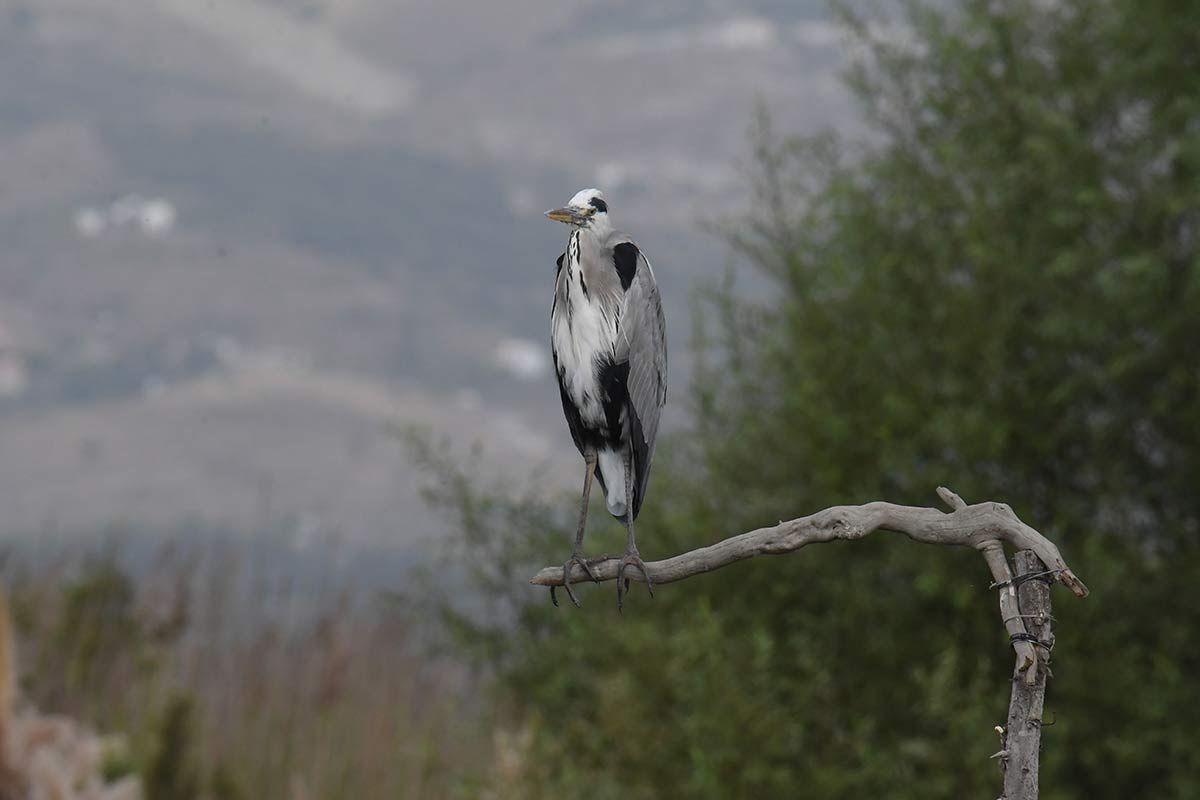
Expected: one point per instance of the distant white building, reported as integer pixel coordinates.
(153, 217)
(521, 358)
(157, 217)
(90, 222)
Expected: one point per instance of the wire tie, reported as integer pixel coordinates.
(1026, 578)
(1029, 637)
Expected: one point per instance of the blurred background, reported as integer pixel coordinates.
(280, 445)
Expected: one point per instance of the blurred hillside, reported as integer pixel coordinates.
(240, 238)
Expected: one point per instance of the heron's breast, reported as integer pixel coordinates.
(583, 337)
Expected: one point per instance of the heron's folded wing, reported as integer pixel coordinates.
(642, 340)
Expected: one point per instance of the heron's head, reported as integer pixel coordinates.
(585, 208)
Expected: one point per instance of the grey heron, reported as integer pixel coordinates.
(608, 338)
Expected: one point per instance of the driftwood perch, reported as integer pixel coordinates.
(987, 527)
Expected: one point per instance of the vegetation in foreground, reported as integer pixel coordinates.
(224, 678)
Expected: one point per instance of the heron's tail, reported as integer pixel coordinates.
(611, 472)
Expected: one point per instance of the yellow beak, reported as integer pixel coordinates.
(570, 214)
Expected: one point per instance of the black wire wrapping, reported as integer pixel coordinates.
(1029, 637)
(1026, 578)
(1041, 618)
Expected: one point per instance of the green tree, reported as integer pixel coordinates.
(1000, 293)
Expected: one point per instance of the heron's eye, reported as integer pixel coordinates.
(598, 204)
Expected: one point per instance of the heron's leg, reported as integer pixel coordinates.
(632, 556)
(589, 462)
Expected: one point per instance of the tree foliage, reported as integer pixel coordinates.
(1000, 293)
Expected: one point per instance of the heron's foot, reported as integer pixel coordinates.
(576, 558)
(631, 558)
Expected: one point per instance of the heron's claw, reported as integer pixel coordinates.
(576, 558)
(570, 594)
(634, 559)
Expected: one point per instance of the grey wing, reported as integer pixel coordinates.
(642, 339)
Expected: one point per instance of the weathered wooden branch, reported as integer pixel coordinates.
(1022, 738)
(987, 527)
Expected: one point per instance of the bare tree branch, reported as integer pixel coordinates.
(987, 527)
(1021, 755)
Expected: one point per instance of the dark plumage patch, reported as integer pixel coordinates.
(641, 460)
(554, 303)
(625, 257)
(598, 204)
(614, 384)
(579, 433)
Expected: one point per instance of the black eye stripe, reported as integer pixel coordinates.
(598, 204)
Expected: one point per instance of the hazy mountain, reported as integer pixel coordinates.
(243, 238)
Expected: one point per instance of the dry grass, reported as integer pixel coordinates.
(301, 687)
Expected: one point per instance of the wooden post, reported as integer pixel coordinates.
(1023, 733)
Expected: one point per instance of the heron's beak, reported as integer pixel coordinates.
(570, 214)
